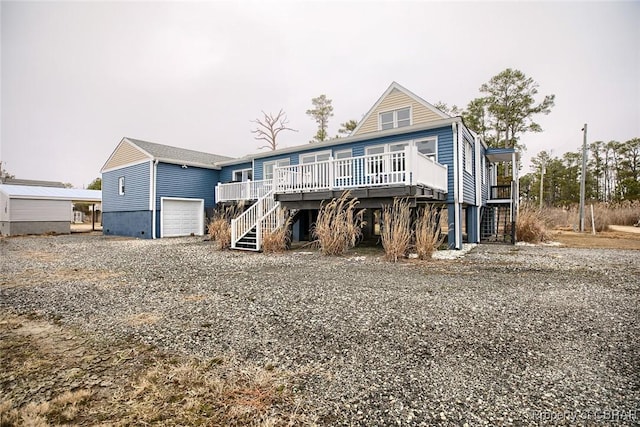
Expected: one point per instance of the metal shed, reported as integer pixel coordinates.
(40, 210)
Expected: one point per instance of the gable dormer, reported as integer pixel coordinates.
(398, 107)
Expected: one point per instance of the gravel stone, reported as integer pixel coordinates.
(491, 337)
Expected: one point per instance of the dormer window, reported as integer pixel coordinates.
(395, 119)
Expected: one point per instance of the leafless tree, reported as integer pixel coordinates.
(269, 127)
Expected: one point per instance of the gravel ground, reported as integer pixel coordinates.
(503, 336)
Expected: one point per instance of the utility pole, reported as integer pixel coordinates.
(582, 178)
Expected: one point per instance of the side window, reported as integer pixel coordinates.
(468, 157)
(121, 186)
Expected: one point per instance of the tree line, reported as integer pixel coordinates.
(612, 174)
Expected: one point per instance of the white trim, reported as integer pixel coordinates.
(275, 164)
(394, 123)
(315, 154)
(233, 173)
(392, 86)
(424, 139)
(154, 168)
(127, 165)
(185, 199)
(150, 185)
(122, 185)
(347, 150)
(457, 177)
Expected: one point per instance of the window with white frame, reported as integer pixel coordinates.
(468, 157)
(395, 118)
(428, 147)
(397, 159)
(242, 175)
(483, 169)
(268, 167)
(121, 186)
(319, 156)
(343, 169)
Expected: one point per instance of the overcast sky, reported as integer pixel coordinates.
(79, 76)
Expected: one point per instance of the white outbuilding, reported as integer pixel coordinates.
(40, 210)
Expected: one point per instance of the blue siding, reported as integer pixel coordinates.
(226, 174)
(469, 184)
(134, 224)
(136, 185)
(192, 182)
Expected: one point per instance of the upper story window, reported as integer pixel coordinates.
(121, 186)
(269, 166)
(395, 119)
(468, 157)
(242, 175)
(428, 147)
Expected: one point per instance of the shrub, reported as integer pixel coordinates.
(396, 229)
(219, 227)
(277, 240)
(339, 226)
(530, 226)
(428, 236)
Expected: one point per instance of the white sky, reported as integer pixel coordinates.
(78, 76)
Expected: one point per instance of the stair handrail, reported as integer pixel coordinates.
(265, 224)
(242, 224)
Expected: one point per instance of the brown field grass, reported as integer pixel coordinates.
(136, 385)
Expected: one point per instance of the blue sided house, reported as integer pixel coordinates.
(403, 147)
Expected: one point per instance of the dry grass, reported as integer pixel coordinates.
(339, 226)
(279, 239)
(531, 226)
(604, 215)
(63, 408)
(428, 237)
(219, 227)
(148, 386)
(396, 231)
(214, 392)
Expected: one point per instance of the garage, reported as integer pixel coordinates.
(26, 209)
(181, 217)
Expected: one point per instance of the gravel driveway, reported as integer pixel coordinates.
(504, 336)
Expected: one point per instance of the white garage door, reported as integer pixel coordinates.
(181, 217)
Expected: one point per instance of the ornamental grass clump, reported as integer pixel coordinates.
(277, 240)
(339, 225)
(530, 226)
(428, 237)
(396, 229)
(219, 227)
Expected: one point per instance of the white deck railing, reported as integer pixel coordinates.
(247, 190)
(407, 167)
(250, 218)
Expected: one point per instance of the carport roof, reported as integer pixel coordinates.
(51, 193)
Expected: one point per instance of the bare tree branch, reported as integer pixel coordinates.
(269, 127)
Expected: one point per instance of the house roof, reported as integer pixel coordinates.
(32, 182)
(51, 193)
(172, 154)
